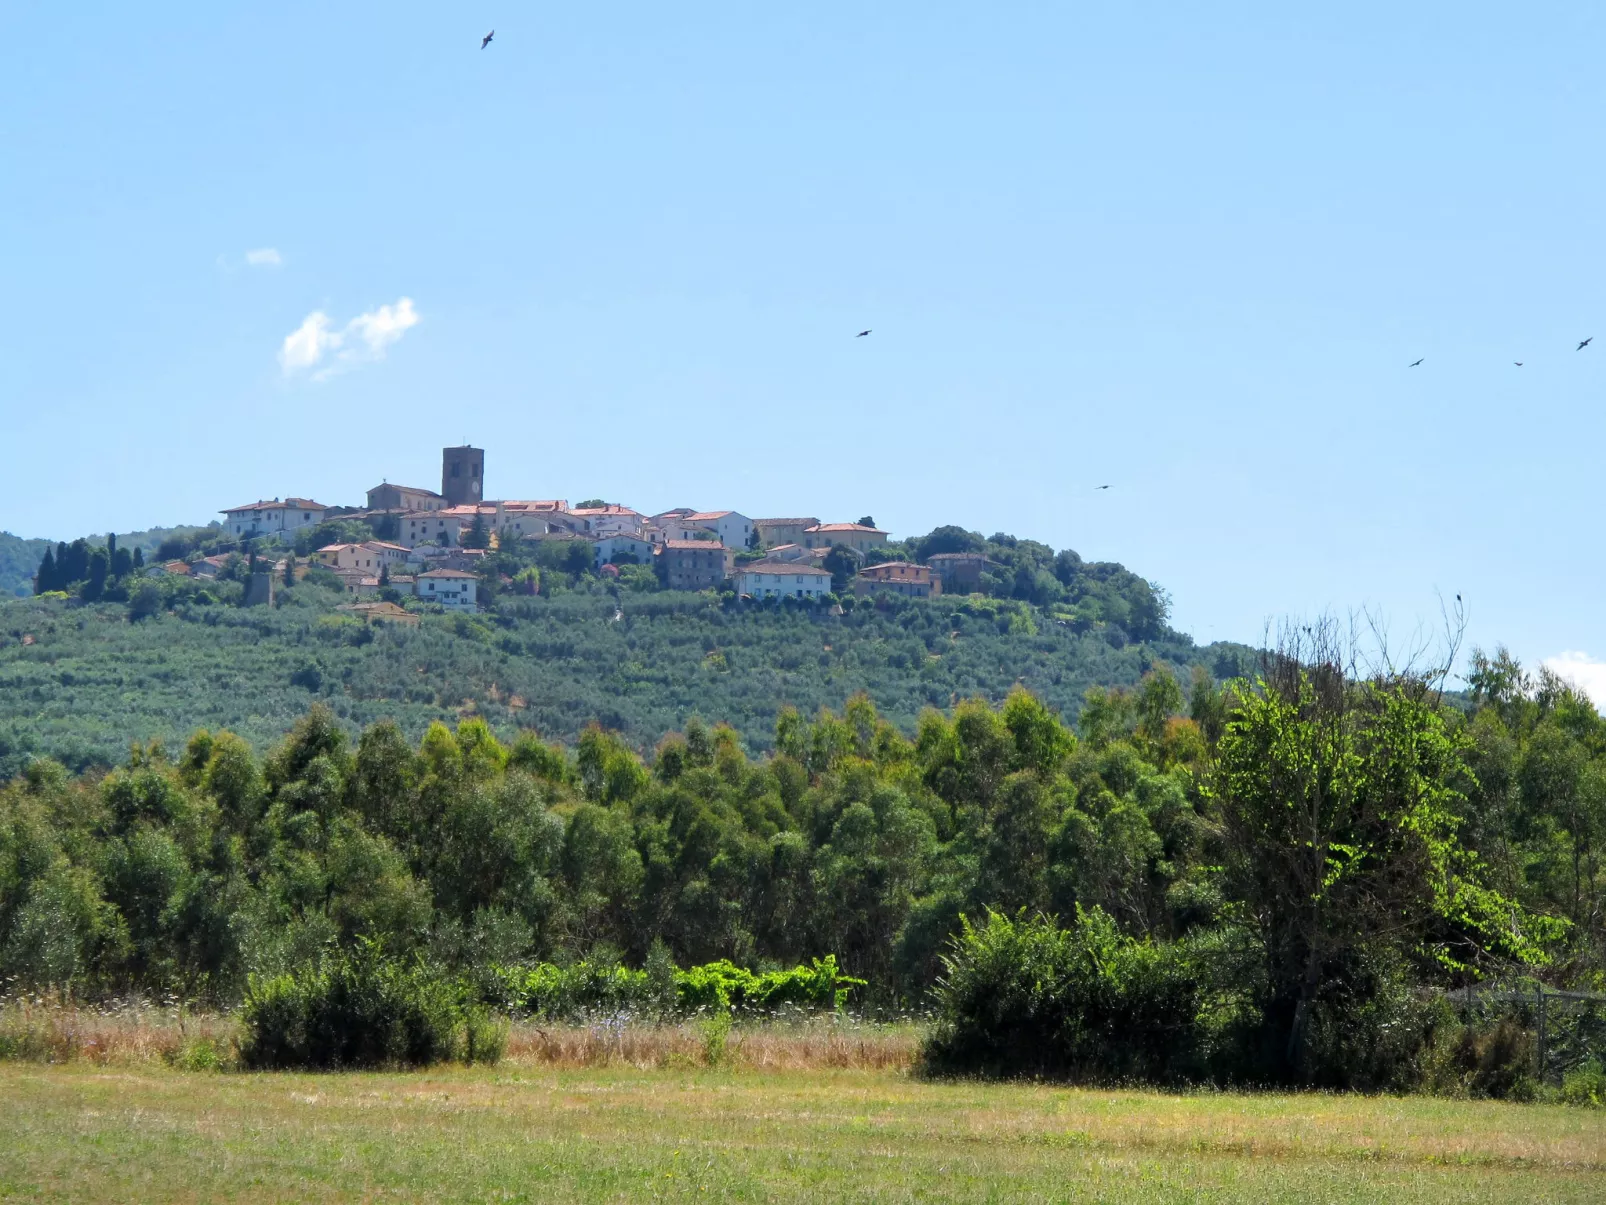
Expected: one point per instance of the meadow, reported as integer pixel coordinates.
(531, 1131)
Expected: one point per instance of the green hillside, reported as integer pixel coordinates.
(18, 560)
(81, 681)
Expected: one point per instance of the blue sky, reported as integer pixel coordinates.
(1184, 250)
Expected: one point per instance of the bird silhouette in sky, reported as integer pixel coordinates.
(1518, 363)
(1101, 487)
(1414, 363)
(1585, 343)
(861, 334)
(486, 40)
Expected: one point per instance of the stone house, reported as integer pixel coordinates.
(693, 564)
(897, 577)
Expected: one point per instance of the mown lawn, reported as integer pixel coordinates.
(86, 1133)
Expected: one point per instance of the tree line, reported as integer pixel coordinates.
(94, 572)
(1335, 843)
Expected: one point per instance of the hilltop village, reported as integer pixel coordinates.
(430, 544)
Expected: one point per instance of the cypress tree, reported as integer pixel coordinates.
(72, 563)
(45, 579)
(95, 575)
(139, 558)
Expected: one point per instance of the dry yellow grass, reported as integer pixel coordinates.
(48, 1031)
(43, 1029)
(805, 1045)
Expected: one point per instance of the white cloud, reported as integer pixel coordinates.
(1583, 671)
(382, 327)
(364, 338)
(306, 345)
(264, 257)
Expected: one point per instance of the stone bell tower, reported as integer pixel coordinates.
(463, 476)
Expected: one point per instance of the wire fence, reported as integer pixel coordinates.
(1568, 1027)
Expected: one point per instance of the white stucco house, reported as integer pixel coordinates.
(731, 529)
(451, 588)
(781, 579)
(268, 518)
(622, 546)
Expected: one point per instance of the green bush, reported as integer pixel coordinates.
(585, 988)
(1585, 1085)
(364, 1010)
(555, 993)
(1025, 997)
(724, 985)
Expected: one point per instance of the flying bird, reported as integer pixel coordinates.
(1101, 487)
(1585, 343)
(1518, 363)
(861, 334)
(1414, 363)
(486, 40)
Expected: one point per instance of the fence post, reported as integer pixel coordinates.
(1539, 991)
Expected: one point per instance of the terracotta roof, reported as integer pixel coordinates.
(275, 504)
(705, 545)
(378, 544)
(704, 515)
(600, 510)
(406, 489)
(810, 521)
(895, 569)
(446, 573)
(847, 527)
(337, 547)
(780, 568)
(551, 504)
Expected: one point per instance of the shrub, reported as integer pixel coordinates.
(363, 1010)
(1026, 997)
(724, 985)
(554, 993)
(1585, 1085)
(564, 993)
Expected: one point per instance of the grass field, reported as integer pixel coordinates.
(534, 1133)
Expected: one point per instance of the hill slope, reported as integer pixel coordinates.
(18, 560)
(78, 682)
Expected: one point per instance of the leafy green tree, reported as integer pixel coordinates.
(842, 566)
(145, 602)
(1341, 814)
